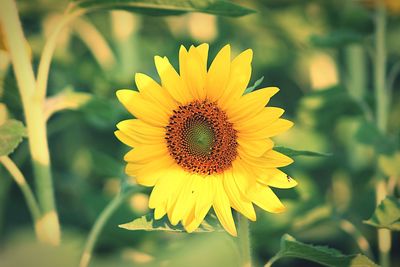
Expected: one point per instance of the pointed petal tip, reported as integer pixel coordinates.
(232, 231)
(274, 89)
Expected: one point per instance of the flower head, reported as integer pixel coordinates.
(201, 143)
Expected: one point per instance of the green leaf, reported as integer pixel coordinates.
(326, 256)
(386, 215)
(255, 85)
(168, 7)
(294, 153)
(11, 134)
(148, 223)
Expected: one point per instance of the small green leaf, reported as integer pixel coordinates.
(326, 256)
(254, 86)
(148, 223)
(11, 134)
(386, 215)
(294, 153)
(168, 7)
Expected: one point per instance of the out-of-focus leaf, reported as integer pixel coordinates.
(369, 134)
(386, 215)
(312, 216)
(254, 86)
(336, 38)
(294, 153)
(326, 256)
(66, 99)
(168, 7)
(148, 223)
(390, 165)
(11, 134)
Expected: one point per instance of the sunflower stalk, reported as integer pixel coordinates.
(382, 107)
(48, 225)
(244, 241)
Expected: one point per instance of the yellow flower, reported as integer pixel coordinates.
(201, 143)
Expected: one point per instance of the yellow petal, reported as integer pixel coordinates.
(206, 187)
(250, 104)
(193, 71)
(146, 153)
(148, 174)
(124, 138)
(166, 186)
(237, 199)
(255, 147)
(133, 139)
(171, 80)
(202, 50)
(259, 121)
(218, 74)
(275, 128)
(278, 127)
(276, 178)
(138, 127)
(270, 159)
(152, 91)
(222, 208)
(159, 212)
(142, 109)
(239, 76)
(184, 201)
(266, 199)
(243, 175)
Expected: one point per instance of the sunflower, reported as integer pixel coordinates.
(200, 142)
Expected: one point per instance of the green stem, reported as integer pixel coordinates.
(244, 241)
(19, 178)
(272, 260)
(382, 107)
(384, 235)
(356, 64)
(35, 120)
(99, 225)
(380, 68)
(356, 77)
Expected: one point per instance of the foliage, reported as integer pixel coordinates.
(386, 215)
(148, 223)
(11, 135)
(168, 7)
(306, 48)
(323, 255)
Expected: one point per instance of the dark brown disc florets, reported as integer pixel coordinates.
(201, 139)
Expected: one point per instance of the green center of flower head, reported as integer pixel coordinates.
(199, 136)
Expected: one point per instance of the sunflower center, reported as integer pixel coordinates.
(201, 139)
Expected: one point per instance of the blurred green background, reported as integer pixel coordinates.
(318, 52)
